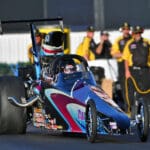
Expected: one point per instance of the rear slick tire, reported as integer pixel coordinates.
(12, 118)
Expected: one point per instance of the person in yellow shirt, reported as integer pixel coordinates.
(137, 63)
(117, 52)
(88, 44)
(38, 40)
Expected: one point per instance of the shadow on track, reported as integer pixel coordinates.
(122, 139)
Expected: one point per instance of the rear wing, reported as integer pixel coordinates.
(32, 25)
(32, 21)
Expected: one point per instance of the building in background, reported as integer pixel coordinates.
(103, 14)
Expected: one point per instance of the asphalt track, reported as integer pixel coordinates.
(37, 139)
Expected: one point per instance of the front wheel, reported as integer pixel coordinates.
(143, 120)
(91, 121)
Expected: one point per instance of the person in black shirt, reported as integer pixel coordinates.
(104, 47)
(137, 65)
(117, 53)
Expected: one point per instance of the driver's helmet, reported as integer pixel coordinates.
(69, 67)
(52, 44)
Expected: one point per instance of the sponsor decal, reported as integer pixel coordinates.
(81, 115)
(41, 119)
(133, 46)
(104, 96)
(61, 102)
(78, 113)
(122, 42)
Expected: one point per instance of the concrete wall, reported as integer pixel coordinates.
(13, 47)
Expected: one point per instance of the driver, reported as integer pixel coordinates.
(69, 66)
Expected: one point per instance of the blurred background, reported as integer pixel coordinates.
(103, 14)
(77, 15)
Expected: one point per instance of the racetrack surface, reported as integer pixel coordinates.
(37, 139)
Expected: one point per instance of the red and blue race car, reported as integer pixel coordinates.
(69, 101)
(73, 102)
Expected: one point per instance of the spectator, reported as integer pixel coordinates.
(38, 40)
(117, 51)
(104, 47)
(88, 45)
(137, 62)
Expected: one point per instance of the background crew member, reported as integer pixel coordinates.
(117, 52)
(38, 40)
(104, 47)
(137, 62)
(88, 45)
